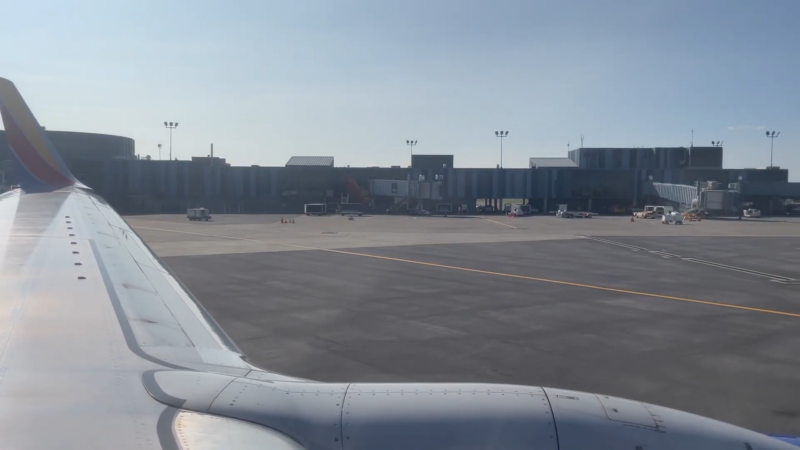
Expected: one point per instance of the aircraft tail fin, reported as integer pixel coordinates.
(39, 164)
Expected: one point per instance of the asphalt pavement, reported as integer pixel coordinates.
(629, 316)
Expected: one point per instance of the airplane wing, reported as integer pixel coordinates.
(102, 347)
(85, 310)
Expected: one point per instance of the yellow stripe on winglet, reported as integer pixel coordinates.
(22, 115)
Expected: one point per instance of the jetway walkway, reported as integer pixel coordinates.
(678, 193)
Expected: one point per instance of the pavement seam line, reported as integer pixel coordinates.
(507, 275)
(499, 223)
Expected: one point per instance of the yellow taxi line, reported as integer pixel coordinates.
(507, 275)
(564, 283)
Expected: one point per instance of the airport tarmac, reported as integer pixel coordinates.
(703, 317)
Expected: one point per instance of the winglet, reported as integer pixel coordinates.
(40, 166)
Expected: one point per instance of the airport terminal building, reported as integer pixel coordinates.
(589, 179)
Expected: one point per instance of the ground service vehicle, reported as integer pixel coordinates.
(521, 210)
(351, 209)
(198, 214)
(444, 208)
(661, 210)
(653, 212)
(646, 213)
(752, 213)
(564, 214)
(418, 212)
(315, 209)
(672, 217)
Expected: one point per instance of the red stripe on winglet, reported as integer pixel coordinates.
(28, 155)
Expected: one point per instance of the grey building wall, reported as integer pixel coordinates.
(78, 149)
(620, 177)
(706, 157)
(431, 161)
(647, 158)
(171, 186)
(74, 145)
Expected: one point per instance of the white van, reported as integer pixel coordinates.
(662, 210)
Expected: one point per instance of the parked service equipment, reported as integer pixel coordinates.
(352, 209)
(198, 214)
(672, 217)
(315, 209)
(752, 213)
(522, 210)
(646, 213)
(444, 208)
(653, 212)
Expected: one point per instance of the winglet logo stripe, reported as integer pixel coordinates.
(27, 123)
(28, 141)
(28, 156)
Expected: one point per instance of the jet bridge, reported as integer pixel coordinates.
(683, 194)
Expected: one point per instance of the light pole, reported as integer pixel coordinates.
(171, 127)
(159, 152)
(772, 135)
(411, 144)
(501, 135)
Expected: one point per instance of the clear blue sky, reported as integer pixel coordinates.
(264, 80)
